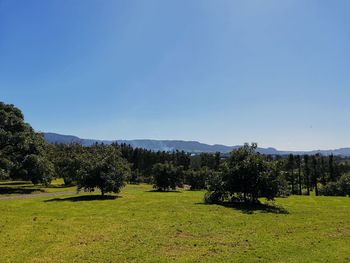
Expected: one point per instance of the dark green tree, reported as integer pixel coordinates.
(103, 168)
(290, 168)
(22, 150)
(315, 172)
(166, 176)
(298, 164)
(307, 173)
(246, 176)
(197, 179)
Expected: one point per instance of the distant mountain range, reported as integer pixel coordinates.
(187, 146)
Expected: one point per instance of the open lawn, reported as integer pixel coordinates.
(142, 225)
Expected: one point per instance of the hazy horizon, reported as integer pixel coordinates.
(217, 72)
(165, 139)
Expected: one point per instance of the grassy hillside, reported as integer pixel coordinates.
(143, 225)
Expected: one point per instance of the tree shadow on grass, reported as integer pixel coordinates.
(251, 208)
(19, 190)
(84, 198)
(58, 186)
(14, 183)
(160, 191)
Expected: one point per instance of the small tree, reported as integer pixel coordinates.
(198, 179)
(166, 176)
(105, 169)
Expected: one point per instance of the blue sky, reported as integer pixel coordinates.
(267, 71)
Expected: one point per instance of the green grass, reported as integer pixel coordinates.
(144, 226)
(23, 187)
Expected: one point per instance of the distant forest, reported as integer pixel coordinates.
(242, 175)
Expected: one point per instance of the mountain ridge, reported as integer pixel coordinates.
(182, 145)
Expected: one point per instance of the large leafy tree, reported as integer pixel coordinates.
(103, 167)
(246, 177)
(22, 150)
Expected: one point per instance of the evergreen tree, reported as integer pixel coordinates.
(307, 173)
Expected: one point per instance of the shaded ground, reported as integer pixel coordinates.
(251, 208)
(26, 196)
(4, 190)
(84, 198)
(20, 189)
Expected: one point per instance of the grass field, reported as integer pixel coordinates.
(146, 226)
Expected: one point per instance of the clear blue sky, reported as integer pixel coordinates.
(268, 71)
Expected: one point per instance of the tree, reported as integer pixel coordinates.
(103, 168)
(68, 162)
(298, 163)
(166, 176)
(331, 168)
(290, 169)
(315, 172)
(246, 176)
(198, 179)
(217, 160)
(22, 150)
(344, 184)
(307, 173)
(340, 187)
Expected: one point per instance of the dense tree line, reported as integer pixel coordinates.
(243, 175)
